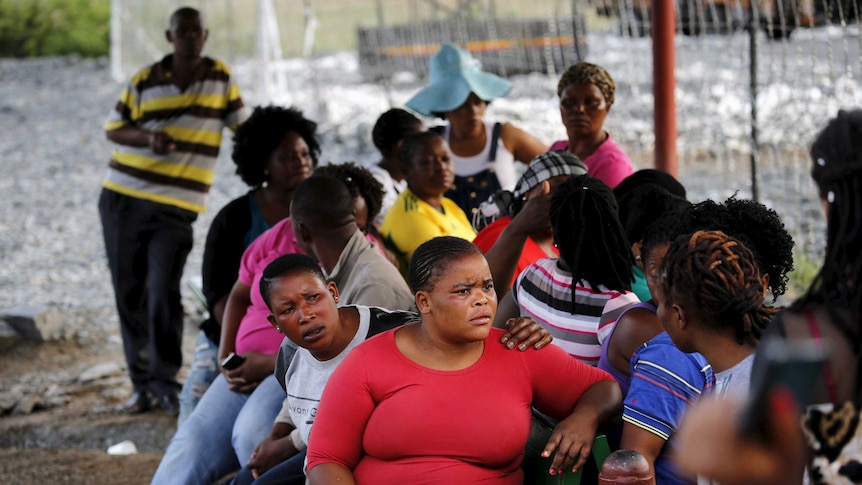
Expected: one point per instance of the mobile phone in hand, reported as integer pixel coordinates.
(792, 364)
(232, 361)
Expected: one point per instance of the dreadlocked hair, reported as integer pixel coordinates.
(716, 277)
(256, 139)
(359, 182)
(757, 227)
(589, 235)
(432, 258)
(837, 170)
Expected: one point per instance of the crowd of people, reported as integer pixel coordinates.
(353, 329)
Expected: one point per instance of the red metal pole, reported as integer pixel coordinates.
(664, 83)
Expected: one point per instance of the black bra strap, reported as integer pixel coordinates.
(495, 137)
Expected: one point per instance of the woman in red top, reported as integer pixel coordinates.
(439, 401)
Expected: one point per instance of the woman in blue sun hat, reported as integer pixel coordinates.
(484, 152)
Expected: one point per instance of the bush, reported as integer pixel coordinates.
(30, 28)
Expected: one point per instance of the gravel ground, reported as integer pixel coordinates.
(53, 152)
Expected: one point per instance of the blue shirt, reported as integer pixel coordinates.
(665, 382)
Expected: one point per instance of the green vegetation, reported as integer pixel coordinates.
(805, 269)
(30, 28)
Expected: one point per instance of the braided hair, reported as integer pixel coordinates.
(256, 139)
(589, 235)
(586, 73)
(432, 257)
(359, 182)
(715, 277)
(837, 170)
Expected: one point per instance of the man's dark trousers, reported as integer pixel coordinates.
(147, 244)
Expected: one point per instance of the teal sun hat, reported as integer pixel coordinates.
(454, 74)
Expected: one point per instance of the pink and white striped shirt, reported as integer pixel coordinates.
(544, 292)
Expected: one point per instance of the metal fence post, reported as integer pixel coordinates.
(664, 85)
(754, 22)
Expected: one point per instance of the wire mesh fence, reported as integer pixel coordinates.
(755, 81)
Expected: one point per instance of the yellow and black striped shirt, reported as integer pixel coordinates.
(194, 118)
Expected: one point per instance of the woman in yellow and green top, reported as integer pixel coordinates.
(422, 212)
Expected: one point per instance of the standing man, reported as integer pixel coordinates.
(167, 126)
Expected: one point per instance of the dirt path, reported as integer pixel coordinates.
(65, 437)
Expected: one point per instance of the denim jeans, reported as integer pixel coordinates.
(204, 369)
(288, 472)
(221, 434)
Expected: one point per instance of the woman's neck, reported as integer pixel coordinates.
(465, 142)
(584, 147)
(435, 201)
(392, 165)
(274, 204)
(724, 352)
(349, 320)
(430, 351)
(545, 240)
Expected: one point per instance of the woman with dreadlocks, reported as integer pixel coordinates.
(711, 302)
(831, 312)
(578, 296)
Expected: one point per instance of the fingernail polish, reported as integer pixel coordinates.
(522, 347)
(510, 345)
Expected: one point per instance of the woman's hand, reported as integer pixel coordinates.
(248, 375)
(709, 440)
(274, 449)
(573, 441)
(524, 332)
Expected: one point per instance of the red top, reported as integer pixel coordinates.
(530, 253)
(391, 420)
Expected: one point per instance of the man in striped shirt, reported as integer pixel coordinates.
(167, 128)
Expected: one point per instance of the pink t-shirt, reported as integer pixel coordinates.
(609, 163)
(255, 333)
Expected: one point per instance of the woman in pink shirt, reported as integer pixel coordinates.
(586, 94)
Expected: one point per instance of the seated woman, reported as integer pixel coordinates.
(586, 94)
(830, 311)
(713, 305)
(664, 379)
(579, 296)
(752, 223)
(243, 401)
(388, 132)
(439, 401)
(294, 288)
(422, 212)
(642, 197)
(484, 153)
(641, 209)
(274, 150)
(710, 301)
(514, 241)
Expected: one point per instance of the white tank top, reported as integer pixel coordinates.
(503, 165)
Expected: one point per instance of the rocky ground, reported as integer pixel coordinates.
(60, 401)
